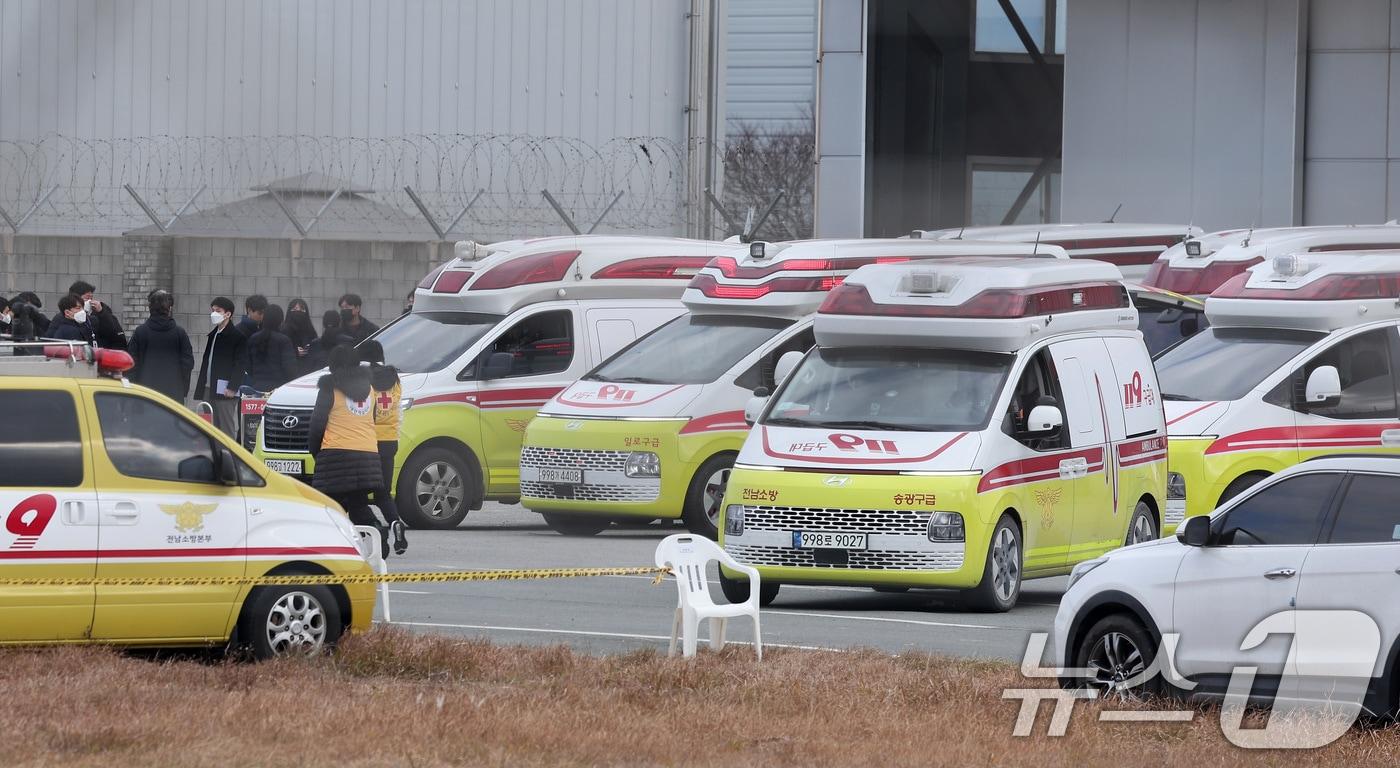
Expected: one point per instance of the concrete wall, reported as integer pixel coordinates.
(1188, 110)
(48, 265)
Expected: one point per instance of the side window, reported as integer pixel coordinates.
(1368, 384)
(144, 439)
(760, 374)
(1370, 511)
(1037, 386)
(45, 446)
(539, 344)
(1288, 512)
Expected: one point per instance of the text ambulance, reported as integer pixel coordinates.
(114, 481)
(960, 424)
(652, 433)
(1199, 265)
(1300, 361)
(489, 340)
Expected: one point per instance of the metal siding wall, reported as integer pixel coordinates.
(590, 69)
(771, 70)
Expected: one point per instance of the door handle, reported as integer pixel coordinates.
(74, 512)
(1280, 573)
(123, 510)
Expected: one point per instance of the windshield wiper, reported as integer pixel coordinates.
(1175, 397)
(870, 425)
(633, 380)
(779, 421)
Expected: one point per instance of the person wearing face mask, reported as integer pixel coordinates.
(71, 322)
(223, 366)
(300, 330)
(161, 350)
(106, 328)
(7, 318)
(352, 322)
(330, 338)
(32, 306)
(272, 361)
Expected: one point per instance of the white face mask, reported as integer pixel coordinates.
(215, 318)
(5, 319)
(80, 316)
(89, 305)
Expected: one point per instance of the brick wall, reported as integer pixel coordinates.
(146, 266)
(48, 265)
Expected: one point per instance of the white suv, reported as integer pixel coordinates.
(1323, 535)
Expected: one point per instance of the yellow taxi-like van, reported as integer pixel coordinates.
(101, 479)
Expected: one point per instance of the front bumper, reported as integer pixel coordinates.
(892, 510)
(1186, 457)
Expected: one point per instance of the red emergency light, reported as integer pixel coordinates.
(1329, 288)
(112, 361)
(653, 268)
(729, 266)
(707, 285)
(527, 270)
(996, 303)
(1194, 282)
(451, 281)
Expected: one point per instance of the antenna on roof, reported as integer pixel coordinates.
(1114, 214)
(1035, 250)
(961, 230)
(1248, 236)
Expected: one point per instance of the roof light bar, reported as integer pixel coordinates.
(451, 281)
(996, 303)
(654, 268)
(729, 266)
(1191, 281)
(427, 282)
(712, 288)
(526, 270)
(1329, 288)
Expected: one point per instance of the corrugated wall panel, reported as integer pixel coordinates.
(770, 66)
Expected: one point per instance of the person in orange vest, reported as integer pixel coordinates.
(384, 379)
(343, 439)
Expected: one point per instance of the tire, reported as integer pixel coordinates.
(1142, 527)
(1238, 486)
(705, 498)
(737, 590)
(1001, 574)
(1117, 648)
(435, 490)
(575, 525)
(290, 620)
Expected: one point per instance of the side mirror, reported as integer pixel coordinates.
(197, 469)
(1190, 326)
(755, 405)
(227, 467)
(1324, 386)
(1044, 420)
(786, 363)
(1195, 532)
(498, 365)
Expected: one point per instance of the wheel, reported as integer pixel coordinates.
(737, 590)
(290, 620)
(1238, 486)
(435, 488)
(705, 498)
(1143, 526)
(575, 525)
(1114, 653)
(1001, 575)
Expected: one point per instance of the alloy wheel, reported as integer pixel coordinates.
(296, 624)
(439, 490)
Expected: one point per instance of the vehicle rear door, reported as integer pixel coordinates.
(612, 328)
(48, 504)
(163, 513)
(1082, 365)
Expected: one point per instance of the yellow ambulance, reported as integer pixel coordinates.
(101, 479)
(961, 424)
(1299, 361)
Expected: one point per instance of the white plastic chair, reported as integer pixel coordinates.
(688, 556)
(371, 546)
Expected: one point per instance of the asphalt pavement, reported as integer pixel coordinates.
(609, 614)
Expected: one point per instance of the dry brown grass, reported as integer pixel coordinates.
(393, 698)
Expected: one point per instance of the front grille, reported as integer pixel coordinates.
(281, 439)
(589, 492)
(872, 559)
(568, 458)
(771, 518)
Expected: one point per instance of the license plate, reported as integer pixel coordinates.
(558, 475)
(817, 540)
(253, 406)
(285, 466)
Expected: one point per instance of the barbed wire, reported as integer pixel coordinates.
(488, 184)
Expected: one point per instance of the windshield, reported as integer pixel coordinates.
(688, 350)
(1226, 363)
(923, 390)
(1163, 325)
(423, 342)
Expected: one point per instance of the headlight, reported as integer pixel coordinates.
(1176, 486)
(643, 464)
(946, 526)
(405, 403)
(1081, 570)
(734, 520)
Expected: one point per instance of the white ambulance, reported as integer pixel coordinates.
(960, 424)
(1199, 265)
(1132, 247)
(492, 337)
(1300, 361)
(652, 433)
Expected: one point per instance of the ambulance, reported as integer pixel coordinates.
(652, 433)
(102, 479)
(961, 424)
(491, 337)
(1132, 247)
(1199, 265)
(1300, 361)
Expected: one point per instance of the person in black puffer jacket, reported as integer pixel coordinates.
(272, 360)
(343, 439)
(161, 350)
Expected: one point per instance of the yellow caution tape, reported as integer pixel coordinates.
(345, 578)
